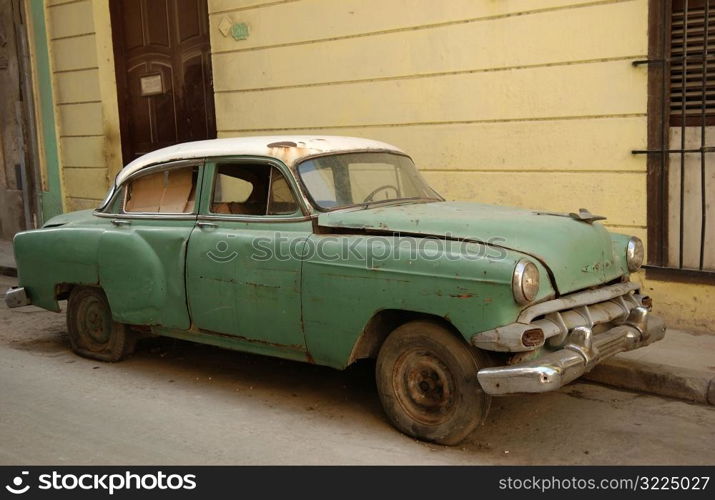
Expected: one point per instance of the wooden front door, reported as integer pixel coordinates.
(163, 66)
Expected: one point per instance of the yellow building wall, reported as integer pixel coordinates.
(84, 93)
(682, 305)
(533, 103)
(528, 103)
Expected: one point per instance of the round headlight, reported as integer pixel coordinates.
(525, 282)
(634, 254)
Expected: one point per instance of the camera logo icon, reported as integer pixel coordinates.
(16, 487)
(222, 255)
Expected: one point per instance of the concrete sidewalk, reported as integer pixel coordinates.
(680, 366)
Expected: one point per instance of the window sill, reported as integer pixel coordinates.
(691, 276)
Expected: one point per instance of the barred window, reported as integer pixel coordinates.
(692, 68)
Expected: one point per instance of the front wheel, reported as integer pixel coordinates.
(92, 331)
(427, 382)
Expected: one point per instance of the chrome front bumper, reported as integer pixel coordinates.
(581, 352)
(16, 297)
(607, 304)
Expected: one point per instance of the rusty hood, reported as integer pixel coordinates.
(579, 254)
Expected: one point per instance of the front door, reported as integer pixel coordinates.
(243, 262)
(163, 68)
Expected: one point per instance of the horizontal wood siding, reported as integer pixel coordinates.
(528, 103)
(82, 99)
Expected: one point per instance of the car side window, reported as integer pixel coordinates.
(171, 191)
(252, 189)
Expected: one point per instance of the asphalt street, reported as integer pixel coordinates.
(176, 402)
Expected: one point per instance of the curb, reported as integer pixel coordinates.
(8, 271)
(654, 378)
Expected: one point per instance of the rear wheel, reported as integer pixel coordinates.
(427, 381)
(92, 331)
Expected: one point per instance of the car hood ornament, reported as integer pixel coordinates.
(583, 215)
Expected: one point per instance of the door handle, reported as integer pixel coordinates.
(209, 225)
(120, 222)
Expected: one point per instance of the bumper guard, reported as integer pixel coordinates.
(580, 354)
(16, 297)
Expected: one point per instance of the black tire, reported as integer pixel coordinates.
(427, 381)
(92, 331)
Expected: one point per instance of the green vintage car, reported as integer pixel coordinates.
(333, 249)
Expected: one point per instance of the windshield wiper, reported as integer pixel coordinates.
(396, 201)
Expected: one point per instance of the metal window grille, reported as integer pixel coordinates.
(681, 136)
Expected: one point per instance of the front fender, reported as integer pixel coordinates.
(353, 277)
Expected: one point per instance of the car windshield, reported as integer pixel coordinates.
(365, 178)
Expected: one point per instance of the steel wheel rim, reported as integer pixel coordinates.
(424, 386)
(93, 323)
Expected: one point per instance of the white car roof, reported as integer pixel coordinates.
(289, 149)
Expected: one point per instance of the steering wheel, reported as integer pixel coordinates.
(381, 188)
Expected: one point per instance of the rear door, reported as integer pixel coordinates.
(142, 253)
